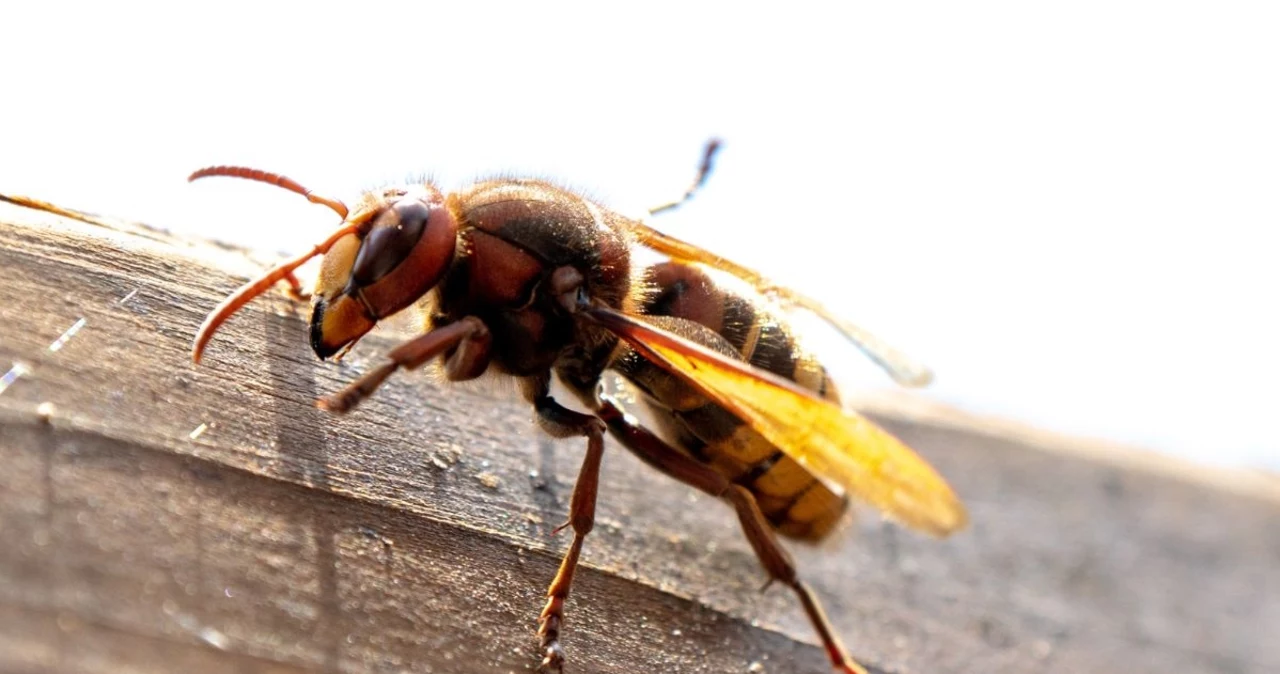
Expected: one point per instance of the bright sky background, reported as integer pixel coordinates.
(1069, 210)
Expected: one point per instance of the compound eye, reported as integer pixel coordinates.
(394, 234)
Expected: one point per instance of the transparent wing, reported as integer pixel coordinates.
(896, 364)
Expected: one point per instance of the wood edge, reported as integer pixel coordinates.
(893, 404)
(58, 422)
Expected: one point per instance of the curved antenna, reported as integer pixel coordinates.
(256, 287)
(271, 179)
(283, 271)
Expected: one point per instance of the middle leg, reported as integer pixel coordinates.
(561, 422)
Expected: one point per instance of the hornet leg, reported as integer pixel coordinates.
(561, 422)
(657, 453)
(468, 339)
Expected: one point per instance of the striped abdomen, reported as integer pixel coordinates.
(685, 300)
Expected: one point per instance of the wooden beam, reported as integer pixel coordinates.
(160, 517)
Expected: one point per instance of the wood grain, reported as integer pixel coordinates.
(413, 534)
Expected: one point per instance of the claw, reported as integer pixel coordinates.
(553, 661)
(295, 291)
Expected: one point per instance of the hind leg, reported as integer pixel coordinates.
(657, 453)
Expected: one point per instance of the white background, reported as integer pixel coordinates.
(1068, 210)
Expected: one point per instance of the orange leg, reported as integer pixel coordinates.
(657, 453)
(561, 422)
(469, 337)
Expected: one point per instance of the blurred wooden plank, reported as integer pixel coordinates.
(412, 536)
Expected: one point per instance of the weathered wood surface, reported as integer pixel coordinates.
(413, 535)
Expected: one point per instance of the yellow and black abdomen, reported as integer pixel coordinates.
(686, 300)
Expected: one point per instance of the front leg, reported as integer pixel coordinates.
(468, 339)
(561, 422)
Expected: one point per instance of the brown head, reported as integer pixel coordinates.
(389, 252)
